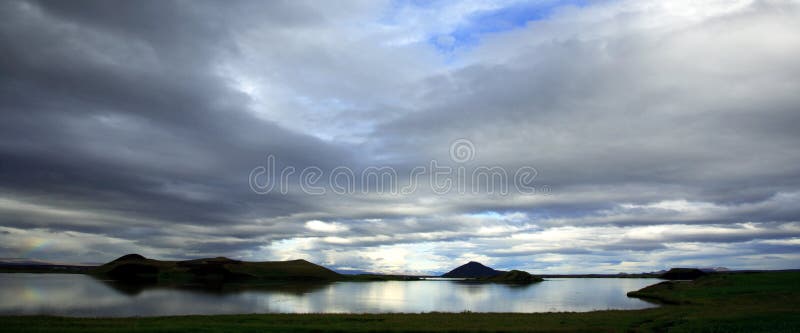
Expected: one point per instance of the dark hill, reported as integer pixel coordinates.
(682, 274)
(134, 267)
(514, 276)
(132, 256)
(472, 270)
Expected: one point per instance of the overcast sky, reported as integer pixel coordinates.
(662, 133)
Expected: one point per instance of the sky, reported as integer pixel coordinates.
(403, 136)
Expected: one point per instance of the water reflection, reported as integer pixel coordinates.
(80, 295)
(293, 288)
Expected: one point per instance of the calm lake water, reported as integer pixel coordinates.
(84, 296)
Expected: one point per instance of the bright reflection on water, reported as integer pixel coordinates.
(80, 295)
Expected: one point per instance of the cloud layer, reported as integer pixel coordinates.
(664, 132)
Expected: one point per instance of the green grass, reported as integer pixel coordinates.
(757, 302)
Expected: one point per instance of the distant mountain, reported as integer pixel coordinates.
(34, 262)
(715, 269)
(472, 269)
(22, 265)
(682, 274)
(353, 271)
(22, 261)
(134, 267)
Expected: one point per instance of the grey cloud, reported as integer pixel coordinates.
(140, 122)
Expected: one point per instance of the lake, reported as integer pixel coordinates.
(84, 296)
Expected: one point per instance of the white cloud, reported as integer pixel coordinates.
(330, 227)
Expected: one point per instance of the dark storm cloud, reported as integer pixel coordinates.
(633, 107)
(119, 112)
(133, 126)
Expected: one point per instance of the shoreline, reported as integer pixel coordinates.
(745, 302)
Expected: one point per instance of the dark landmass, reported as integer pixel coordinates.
(472, 270)
(714, 269)
(722, 289)
(136, 268)
(133, 269)
(513, 276)
(477, 272)
(64, 269)
(141, 269)
(131, 256)
(676, 273)
(36, 266)
(615, 276)
(683, 274)
(721, 302)
(381, 277)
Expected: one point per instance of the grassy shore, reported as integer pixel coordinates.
(752, 302)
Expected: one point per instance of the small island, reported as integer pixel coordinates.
(475, 271)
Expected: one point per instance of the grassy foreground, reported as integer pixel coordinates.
(752, 302)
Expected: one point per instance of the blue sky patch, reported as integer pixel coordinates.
(500, 20)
